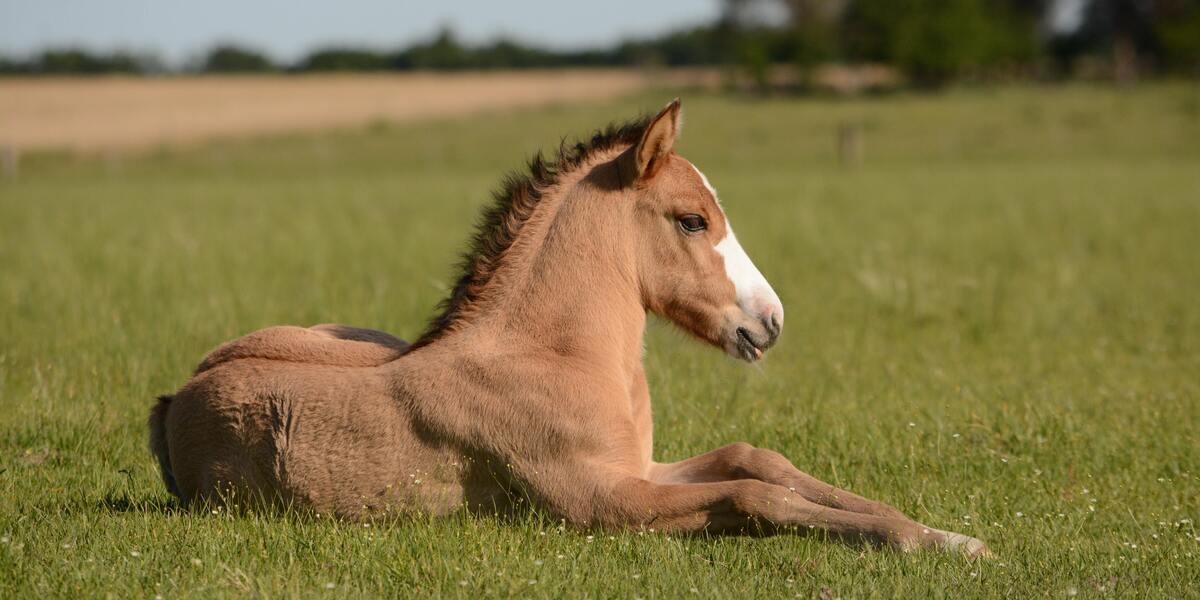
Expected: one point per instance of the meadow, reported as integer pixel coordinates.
(993, 323)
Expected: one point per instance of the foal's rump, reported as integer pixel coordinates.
(317, 437)
(236, 421)
(327, 344)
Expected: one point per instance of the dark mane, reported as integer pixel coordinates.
(498, 224)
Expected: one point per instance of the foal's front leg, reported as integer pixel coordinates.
(743, 461)
(737, 505)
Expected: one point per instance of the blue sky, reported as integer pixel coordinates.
(178, 30)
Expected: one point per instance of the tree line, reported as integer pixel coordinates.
(443, 52)
(930, 41)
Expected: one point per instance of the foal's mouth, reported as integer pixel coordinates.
(752, 342)
(748, 350)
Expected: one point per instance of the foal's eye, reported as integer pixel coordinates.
(692, 223)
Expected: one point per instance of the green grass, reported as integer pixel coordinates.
(993, 324)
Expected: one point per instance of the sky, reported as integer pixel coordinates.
(1066, 15)
(179, 30)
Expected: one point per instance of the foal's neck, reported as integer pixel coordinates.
(567, 287)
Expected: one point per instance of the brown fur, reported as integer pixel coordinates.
(326, 344)
(529, 386)
(512, 206)
(158, 442)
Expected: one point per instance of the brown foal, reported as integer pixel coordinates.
(530, 383)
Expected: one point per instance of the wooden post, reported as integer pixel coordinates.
(112, 160)
(850, 144)
(10, 161)
(1125, 60)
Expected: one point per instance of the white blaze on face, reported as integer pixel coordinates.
(754, 294)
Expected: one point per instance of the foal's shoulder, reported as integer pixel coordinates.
(326, 344)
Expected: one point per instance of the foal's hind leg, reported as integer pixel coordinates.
(743, 461)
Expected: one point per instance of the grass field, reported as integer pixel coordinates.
(993, 324)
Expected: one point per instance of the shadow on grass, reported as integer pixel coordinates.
(123, 503)
(516, 515)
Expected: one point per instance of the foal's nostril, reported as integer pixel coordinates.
(771, 324)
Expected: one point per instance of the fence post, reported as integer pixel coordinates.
(850, 143)
(10, 161)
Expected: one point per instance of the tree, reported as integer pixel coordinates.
(344, 59)
(933, 41)
(76, 61)
(1177, 30)
(13, 66)
(1122, 28)
(233, 59)
(1134, 34)
(444, 52)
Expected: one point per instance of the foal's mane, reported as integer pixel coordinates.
(499, 223)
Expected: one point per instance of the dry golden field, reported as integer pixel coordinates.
(129, 113)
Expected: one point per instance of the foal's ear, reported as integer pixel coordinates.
(656, 143)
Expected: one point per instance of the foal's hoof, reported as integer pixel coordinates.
(965, 544)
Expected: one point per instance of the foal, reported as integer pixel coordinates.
(530, 384)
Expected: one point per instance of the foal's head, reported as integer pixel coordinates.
(691, 268)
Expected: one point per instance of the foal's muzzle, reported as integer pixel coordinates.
(753, 336)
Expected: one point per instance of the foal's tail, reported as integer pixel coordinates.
(158, 442)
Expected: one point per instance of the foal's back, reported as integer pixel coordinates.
(326, 344)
